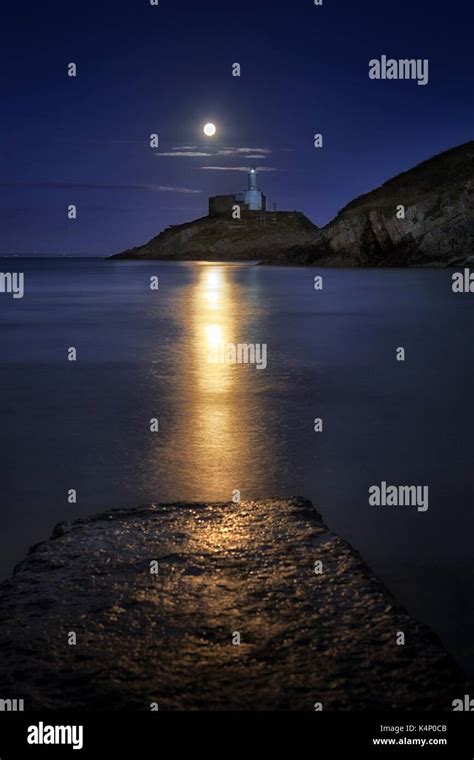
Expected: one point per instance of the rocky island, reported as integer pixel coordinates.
(422, 217)
(251, 606)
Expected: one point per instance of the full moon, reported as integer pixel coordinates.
(209, 130)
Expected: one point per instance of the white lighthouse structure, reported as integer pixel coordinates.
(253, 195)
(251, 199)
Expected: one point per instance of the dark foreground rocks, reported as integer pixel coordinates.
(224, 570)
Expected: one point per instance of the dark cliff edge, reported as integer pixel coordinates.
(438, 228)
(219, 238)
(237, 616)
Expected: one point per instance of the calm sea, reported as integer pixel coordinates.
(143, 354)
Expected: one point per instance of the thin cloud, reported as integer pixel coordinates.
(254, 150)
(93, 186)
(238, 168)
(192, 151)
(184, 154)
(165, 189)
(236, 151)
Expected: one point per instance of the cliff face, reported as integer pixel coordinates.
(437, 229)
(220, 238)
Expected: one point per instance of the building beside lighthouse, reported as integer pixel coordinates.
(251, 199)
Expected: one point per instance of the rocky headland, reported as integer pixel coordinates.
(435, 228)
(219, 238)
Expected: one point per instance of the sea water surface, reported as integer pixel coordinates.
(143, 354)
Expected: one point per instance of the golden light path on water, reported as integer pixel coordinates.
(214, 428)
(214, 323)
(215, 441)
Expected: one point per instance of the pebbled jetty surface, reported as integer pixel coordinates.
(169, 638)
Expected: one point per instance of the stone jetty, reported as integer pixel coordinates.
(250, 606)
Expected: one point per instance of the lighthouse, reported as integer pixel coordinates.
(253, 195)
(251, 199)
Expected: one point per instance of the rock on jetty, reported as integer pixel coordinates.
(251, 606)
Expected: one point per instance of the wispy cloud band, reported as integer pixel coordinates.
(184, 154)
(192, 151)
(238, 168)
(53, 185)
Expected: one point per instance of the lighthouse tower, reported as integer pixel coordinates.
(253, 196)
(251, 199)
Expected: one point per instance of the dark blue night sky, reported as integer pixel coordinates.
(167, 69)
